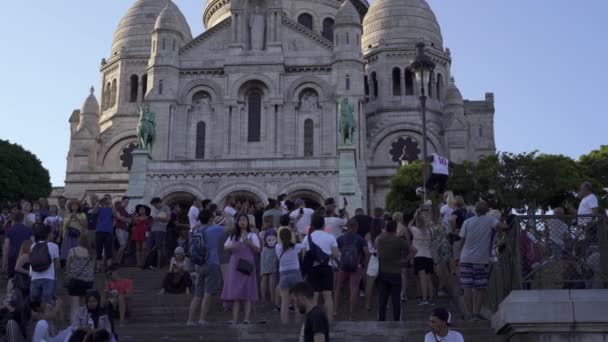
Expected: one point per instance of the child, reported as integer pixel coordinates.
(268, 259)
(118, 293)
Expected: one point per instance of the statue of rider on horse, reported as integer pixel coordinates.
(348, 125)
(146, 129)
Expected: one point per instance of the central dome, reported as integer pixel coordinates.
(135, 28)
(400, 23)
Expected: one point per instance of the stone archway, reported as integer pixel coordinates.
(179, 202)
(313, 199)
(240, 197)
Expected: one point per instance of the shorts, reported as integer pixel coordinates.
(208, 280)
(289, 279)
(158, 240)
(269, 262)
(423, 264)
(122, 236)
(321, 278)
(474, 276)
(353, 278)
(437, 180)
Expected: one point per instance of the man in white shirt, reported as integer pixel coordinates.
(302, 217)
(322, 275)
(589, 204)
(42, 287)
(439, 175)
(229, 208)
(193, 213)
(440, 331)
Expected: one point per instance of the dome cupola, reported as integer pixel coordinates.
(400, 23)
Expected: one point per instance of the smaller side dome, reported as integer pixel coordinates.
(169, 19)
(90, 105)
(347, 14)
(453, 94)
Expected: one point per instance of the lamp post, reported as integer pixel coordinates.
(423, 66)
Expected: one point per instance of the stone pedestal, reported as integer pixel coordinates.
(553, 316)
(348, 185)
(137, 178)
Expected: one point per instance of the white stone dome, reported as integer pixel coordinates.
(400, 23)
(348, 14)
(453, 95)
(133, 35)
(90, 105)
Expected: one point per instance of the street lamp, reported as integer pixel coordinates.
(423, 67)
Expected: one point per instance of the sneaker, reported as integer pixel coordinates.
(277, 309)
(404, 298)
(246, 322)
(430, 302)
(423, 302)
(292, 308)
(419, 301)
(190, 324)
(231, 322)
(203, 322)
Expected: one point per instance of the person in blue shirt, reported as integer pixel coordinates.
(209, 275)
(15, 236)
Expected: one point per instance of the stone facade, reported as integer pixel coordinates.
(251, 105)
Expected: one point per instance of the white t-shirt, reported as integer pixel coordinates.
(324, 240)
(440, 165)
(452, 336)
(50, 272)
(587, 205)
(445, 212)
(193, 216)
(289, 260)
(334, 226)
(304, 222)
(230, 211)
(252, 236)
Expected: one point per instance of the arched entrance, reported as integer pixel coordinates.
(179, 227)
(313, 199)
(241, 198)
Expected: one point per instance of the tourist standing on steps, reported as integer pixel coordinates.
(122, 223)
(288, 252)
(353, 256)
(477, 234)
(142, 225)
(364, 221)
(241, 285)
(440, 328)
(80, 273)
(274, 210)
(207, 263)
(54, 222)
(195, 209)
(268, 260)
(74, 224)
(422, 238)
(161, 215)
(301, 216)
(104, 233)
(390, 248)
(15, 236)
(44, 259)
(316, 323)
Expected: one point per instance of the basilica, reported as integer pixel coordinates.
(253, 106)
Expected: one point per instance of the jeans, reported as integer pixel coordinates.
(104, 243)
(42, 290)
(389, 285)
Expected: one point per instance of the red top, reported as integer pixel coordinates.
(122, 286)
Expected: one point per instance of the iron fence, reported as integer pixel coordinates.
(550, 252)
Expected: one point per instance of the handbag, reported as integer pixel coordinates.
(74, 282)
(73, 232)
(244, 266)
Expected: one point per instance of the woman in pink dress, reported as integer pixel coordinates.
(142, 224)
(241, 285)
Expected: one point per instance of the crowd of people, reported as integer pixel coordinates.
(299, 259)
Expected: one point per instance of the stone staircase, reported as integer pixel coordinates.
(162, 318)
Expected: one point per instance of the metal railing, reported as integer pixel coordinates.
(549, 252)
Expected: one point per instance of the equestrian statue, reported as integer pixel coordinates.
(347, 123)
(146, 129)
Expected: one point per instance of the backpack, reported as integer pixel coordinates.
(350, 258)
(314, 254)
(40, 257)
(197, 247)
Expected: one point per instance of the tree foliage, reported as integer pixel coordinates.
(21, 174)
(508, 180)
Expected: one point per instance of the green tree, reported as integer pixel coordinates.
(595, 169)
(462, 181)
(553, 180)
(402, 195)
(21, 174)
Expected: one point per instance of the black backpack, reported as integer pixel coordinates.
(350, 258)
(40, 257)
(314, 254)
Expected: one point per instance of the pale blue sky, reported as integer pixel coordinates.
(543, 59)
